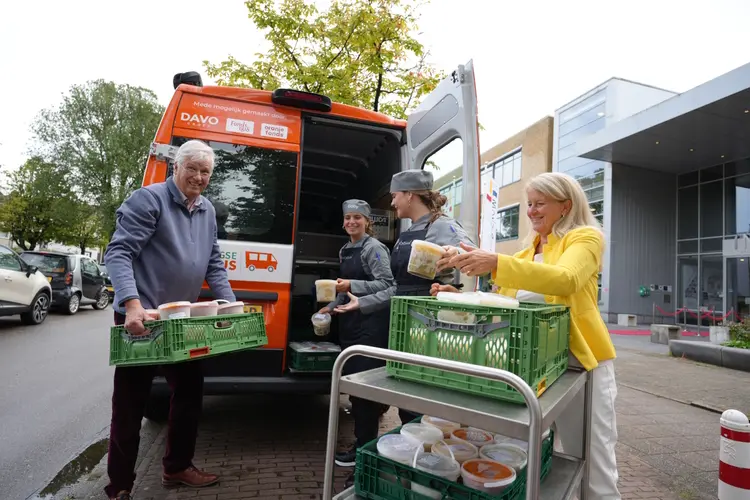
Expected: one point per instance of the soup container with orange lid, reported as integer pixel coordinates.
(476, 437)
(174, 310)
(487, 475)
(201, 309)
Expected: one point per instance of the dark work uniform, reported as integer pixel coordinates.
(442, 231)
(356, 328)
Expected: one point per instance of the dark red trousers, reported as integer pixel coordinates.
(131, 392)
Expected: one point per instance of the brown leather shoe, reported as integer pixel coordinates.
(190, 477)
(123, 495)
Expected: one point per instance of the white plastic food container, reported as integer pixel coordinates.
(423, 259)
(325, 290)
(524, 445)
(461, 451)
(174, 310)
(201, 309)
(487, 475)
(444, 425)
(505, 453)
(424, 433)
(476, 437)
(231, 308)
(321, 324)
(153, 314)
(399, 448)
(438, 465)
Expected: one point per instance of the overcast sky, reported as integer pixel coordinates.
(531, 57)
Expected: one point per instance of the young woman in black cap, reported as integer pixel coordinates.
(365, 269)
(413, 198)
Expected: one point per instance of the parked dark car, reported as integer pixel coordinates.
(75, 279)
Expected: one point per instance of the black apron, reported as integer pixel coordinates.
(355, 327)
(408, 284)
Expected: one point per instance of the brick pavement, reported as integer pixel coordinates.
(273, 447)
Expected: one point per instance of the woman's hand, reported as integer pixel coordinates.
(444, 262)
(437, 287)
(475, 262)
(343, 286)
(352, 305)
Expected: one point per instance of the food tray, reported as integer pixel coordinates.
(185, 339)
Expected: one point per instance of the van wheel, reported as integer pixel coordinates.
(74, 303)
(38, 312)
(157, 408)
(271, 269)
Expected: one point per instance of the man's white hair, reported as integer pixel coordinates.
(195, 151)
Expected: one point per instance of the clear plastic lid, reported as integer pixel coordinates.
(398, 447)
(508, 454)
(425, 433)
(437, 464)
(321, 319)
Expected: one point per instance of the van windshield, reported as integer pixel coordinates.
(45, 262)
(253, 192)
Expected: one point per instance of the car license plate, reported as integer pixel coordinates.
(253, 308)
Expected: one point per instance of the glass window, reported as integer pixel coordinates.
(582, 106)
(253, 191)
(573, 163)
(586, 124)
(517, 167)
(595, 194)
(738, 287)
(687, 179)
(737, 204)
(47, 263)
(711, 209)
(507, 170)
(567, 152)
(687, 209)
(712, 283)
(597, 208)
(458, 192)
(688, 246)
(712, 173)
(738, 167)
(687, 283)
(507, 174)
(712, 245)
(507, 224)
(8, 260)
(590, 175)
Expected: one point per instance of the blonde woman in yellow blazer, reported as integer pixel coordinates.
(559, 265)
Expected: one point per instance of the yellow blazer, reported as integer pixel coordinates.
(568, 276)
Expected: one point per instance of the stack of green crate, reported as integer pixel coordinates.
(313, 356)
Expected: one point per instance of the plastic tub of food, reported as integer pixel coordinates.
(444, 425)
(231, 308)
(201, 309)
(174, 310)
(497, 300)
(461, 451)
(505, 453)
(487, 475)
(477, 437)
(153, 314)
(399, 448)
(321, 324)
(423, 259)
(423, 433)
(438, 465)
(325, 290)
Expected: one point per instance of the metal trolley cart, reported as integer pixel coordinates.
(495, 416)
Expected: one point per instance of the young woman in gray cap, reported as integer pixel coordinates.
(365, 269)
(413, 198)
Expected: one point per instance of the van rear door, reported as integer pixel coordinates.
(450, 112)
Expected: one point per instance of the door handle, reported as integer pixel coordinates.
(8, 278)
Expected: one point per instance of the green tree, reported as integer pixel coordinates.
(83, 226)
(34, 211)
(359, 52)
(100, 134)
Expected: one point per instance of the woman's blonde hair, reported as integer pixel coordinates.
(562, 187)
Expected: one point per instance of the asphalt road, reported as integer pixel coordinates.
(55, 390)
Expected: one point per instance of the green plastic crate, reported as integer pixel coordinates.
(380, 478)
(177, 340)
(531, 342)
(311, 361)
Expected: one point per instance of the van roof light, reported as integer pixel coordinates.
(299, 99)
(189, 78)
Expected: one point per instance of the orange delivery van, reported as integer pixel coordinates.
(285, 160)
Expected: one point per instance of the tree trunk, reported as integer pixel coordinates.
(378, 91)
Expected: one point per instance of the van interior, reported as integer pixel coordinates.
(340, 161)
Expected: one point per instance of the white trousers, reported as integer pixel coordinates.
(569, 428)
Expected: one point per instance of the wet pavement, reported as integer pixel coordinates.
(54, 396)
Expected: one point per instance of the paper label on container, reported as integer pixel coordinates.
(178, 315)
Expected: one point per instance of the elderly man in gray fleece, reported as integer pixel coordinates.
(164, 247)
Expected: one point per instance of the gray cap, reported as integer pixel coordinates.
(412, 180)
(356, 206)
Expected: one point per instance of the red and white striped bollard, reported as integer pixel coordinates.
(734, 456)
